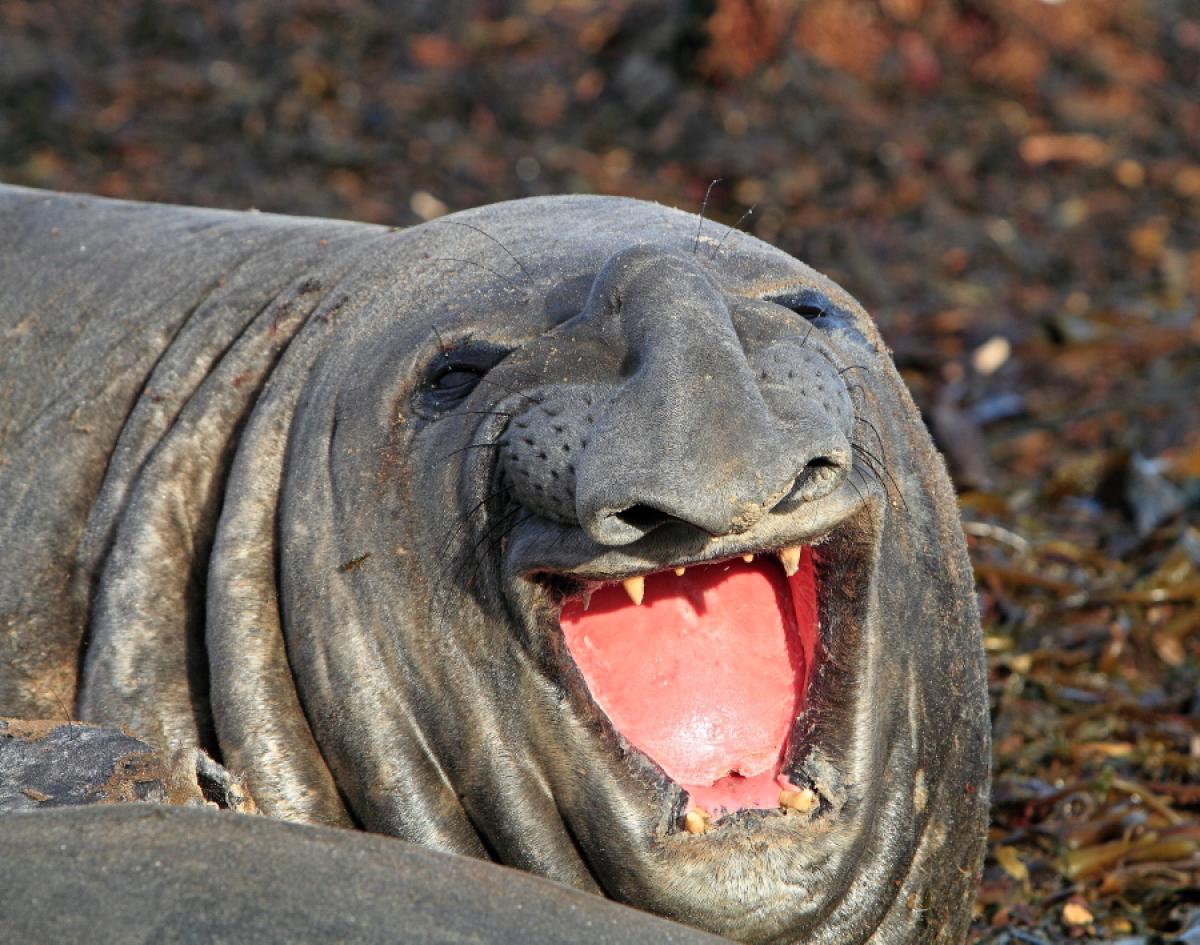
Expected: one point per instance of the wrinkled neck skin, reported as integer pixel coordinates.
(434, 672)
(340, 562)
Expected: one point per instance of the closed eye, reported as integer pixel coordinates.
(457, 379)
(454, 373)
(807, 303)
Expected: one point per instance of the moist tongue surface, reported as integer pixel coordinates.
(706, 676)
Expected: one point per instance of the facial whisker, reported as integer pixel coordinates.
(736, 226)
(484, 233)
(475, 262)
(703, 207)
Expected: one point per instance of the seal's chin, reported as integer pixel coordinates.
(704, 670)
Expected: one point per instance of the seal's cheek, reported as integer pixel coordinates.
(707, 675)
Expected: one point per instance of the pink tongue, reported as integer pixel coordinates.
(707, 675)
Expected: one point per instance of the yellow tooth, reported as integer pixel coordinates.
(679, 572)
(635, 587)
(804, 800)
(790, 558)
(696, 821)
(747, 558)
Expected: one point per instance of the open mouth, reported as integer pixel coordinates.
(704, 670)
(719, 669)
(714, 668)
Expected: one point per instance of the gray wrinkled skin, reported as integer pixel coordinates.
(167, 876)
(278, 487)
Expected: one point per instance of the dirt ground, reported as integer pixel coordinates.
(1011, 186)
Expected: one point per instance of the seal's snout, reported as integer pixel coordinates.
(693, 427)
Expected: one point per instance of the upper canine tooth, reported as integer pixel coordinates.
(635, 587)
(790, 558)
(747, 558)
(803, 800)
(679, 572)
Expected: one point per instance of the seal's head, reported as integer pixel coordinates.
(614, 548)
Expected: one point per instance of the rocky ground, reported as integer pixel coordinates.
(1011, 186)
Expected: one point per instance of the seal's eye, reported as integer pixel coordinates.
(804, 302)
(455, 372)
(820, 312)
(451, 382)
(456, 380)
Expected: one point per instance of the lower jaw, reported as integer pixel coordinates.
(735, 792)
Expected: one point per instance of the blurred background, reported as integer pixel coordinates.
(1012, 187)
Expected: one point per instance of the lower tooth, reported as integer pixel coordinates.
(803, 800)
(696, 821)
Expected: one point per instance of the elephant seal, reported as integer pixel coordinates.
(165, 876)
(571, 533)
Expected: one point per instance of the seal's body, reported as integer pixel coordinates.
(389, 522)
(145, 876)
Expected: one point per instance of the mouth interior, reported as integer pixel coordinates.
(707, 676)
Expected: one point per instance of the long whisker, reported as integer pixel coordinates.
(850, 483)
(875, 462)
(471, 559)
(736, 226)
(509, 524)
(508, 390)
(494, 494)
(484, 233)
(448, 567)
(703, 207)
(474, 262)
(868, 473)
(467, 413)
(859, 418)
(868, 459)
(473, 446)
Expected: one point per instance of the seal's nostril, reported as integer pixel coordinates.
(819, 477)
(643, 517)
(635, 522)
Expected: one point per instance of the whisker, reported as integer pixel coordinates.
(867, 472)
(736, 226)
(508, 390)
(703, 207)
(869, 460)
(508, 530)
(484, 233)
(859, 418)
(470, 559)
(850, 483)
(462, 526)
(473, 446)
(475, 262)
(872, 459)
(467, 413)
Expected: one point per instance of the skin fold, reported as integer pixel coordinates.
(308, 495)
